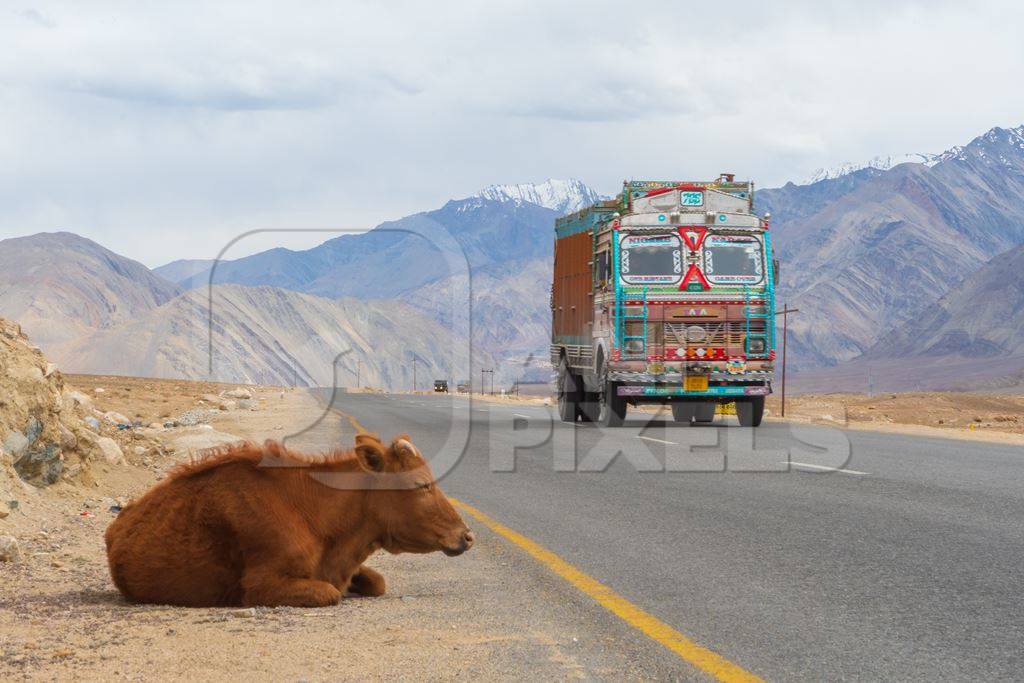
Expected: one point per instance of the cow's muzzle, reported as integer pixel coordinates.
(465, 543)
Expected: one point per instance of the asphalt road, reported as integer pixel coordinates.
(798, 553)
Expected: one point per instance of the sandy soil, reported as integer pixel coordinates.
(959, 415)
(489, 614)
(992, 417)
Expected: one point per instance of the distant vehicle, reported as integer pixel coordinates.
(441, 386)
(462, 387)
(665, 294)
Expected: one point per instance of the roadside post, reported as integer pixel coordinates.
(786, 310)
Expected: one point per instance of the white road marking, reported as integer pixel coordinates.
(525, 417)
(823, 467)
(651, 438)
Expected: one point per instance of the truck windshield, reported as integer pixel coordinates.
(650, 259)
(733, 259)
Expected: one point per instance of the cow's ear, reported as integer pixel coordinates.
(370, 452)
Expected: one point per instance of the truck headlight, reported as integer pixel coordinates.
(755, 345)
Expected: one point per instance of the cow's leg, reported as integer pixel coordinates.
(367, 582)
(272, 589)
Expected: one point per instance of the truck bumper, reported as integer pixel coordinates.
(714, 391)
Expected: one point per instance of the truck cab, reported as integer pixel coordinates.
(665, 294)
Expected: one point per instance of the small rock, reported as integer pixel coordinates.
(57, 563)
(99, 390)
(139, 450)
(408, 598)
(3, 513)
(13, 504)
(155, 425)
(238, 393)
(244, 613)
(50, 369)
(92, 422)
(9, 550)
(116, 418)
(16, 444)
(76, 399)
(68, 440)
(247, 404)
(111, 451)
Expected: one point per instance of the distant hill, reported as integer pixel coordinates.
(59, 286)
(183, 269)
(869, 251)
(270, 335)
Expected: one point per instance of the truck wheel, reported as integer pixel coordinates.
(684, 412)
(705, 412)
(612, 407)
(569, 394)
(590, 406)
(750, 411)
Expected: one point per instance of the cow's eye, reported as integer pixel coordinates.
(426, 486)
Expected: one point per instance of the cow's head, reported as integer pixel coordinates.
(406, 501)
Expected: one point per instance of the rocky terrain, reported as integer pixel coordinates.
(48, 433)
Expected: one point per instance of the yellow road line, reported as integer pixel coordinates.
(648, 624)
(652, 627)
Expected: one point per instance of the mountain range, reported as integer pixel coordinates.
(869, 251)
(892, 265)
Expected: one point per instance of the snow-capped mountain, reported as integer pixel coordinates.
(563, 196)
(881, 163)
(997, 145)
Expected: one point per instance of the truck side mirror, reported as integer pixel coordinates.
(775, 272)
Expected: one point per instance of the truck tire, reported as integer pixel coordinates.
(750, 411)
(612, 407)
(569, 394)
(590, 406)
(705, 412)
(684, 412)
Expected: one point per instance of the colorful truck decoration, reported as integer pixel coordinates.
(665, 294)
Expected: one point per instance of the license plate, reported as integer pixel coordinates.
(695, 383)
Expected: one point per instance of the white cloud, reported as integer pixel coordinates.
(163, 129)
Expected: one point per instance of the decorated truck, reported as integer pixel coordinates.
(665, 294)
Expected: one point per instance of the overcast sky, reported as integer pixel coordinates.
(163, 129)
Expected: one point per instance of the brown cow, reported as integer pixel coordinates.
(251, 525)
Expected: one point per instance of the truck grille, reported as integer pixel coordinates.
(725, 334)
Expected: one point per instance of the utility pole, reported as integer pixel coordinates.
(483, 383)
(785, 312)
(414, 373)
(359, 372)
